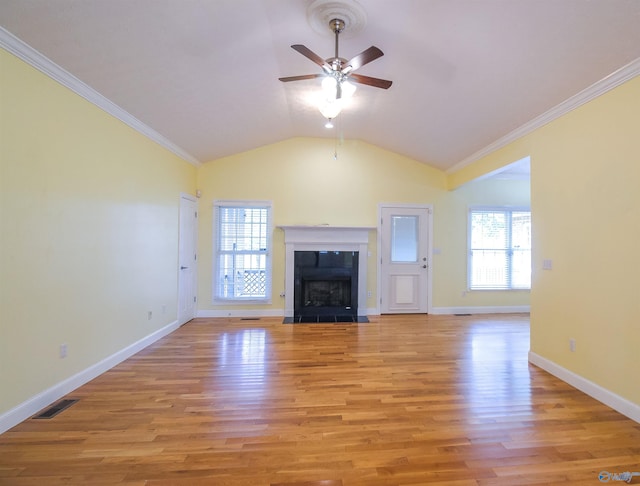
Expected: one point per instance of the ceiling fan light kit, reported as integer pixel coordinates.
(337, 71)
(334, 88)
(334, 95)
(330, 108)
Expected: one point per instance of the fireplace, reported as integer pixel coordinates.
(326, 273)
(325, 286)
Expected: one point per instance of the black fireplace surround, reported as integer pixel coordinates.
(325, 286)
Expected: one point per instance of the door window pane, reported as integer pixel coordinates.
(404, 239)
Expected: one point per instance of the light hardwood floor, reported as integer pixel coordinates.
(402, 400)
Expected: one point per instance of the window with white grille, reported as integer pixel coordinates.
(242, 251)
(499, 248)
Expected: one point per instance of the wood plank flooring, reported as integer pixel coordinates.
(402, 400)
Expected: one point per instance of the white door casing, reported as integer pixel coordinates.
(405, 259)
(187, 258)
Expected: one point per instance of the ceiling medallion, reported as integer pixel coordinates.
(320, 13)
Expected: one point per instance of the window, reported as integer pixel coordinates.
(242, 251)
(499, 248)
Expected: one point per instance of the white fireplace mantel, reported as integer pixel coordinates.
(326, 238)
(326, 234)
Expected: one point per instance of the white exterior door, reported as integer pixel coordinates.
(404, 259)
(187, 259)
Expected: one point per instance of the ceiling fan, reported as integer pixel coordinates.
(338, 68)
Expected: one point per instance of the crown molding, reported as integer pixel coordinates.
(597, 89)
(28, 54)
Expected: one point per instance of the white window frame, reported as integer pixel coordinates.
(217, 297)
(510, 250)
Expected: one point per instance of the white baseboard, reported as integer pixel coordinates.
(36, 403)
(371, 311)
(258, 313)
(506, 309)
(241, 313)
(618, 403)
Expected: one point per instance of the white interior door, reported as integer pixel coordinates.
(404, 260)
(187, 259)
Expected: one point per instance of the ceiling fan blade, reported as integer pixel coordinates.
(309, 54)
(302, 77)
(363, 58)
(375, 82)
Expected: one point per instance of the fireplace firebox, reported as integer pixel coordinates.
(325, 286)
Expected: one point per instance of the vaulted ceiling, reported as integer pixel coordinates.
(204, 73)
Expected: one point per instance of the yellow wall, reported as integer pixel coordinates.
(89, 233)
(308, 186)
(585, 174)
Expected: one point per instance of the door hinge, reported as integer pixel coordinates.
(194, 298)
(196, 214)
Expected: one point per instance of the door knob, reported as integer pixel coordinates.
(424, 266)
(183, 268)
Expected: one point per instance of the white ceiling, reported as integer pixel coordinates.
(204, 73)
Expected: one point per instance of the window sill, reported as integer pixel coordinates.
(241, 302)
(498, 290)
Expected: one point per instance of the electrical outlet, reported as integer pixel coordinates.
(63, 350)
(164, 308)
(547, 264)
(572, 345)
(369, 294)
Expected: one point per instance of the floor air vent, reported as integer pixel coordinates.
(56, 408)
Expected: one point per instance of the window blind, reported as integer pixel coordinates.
(499, 249)
(243, 267)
